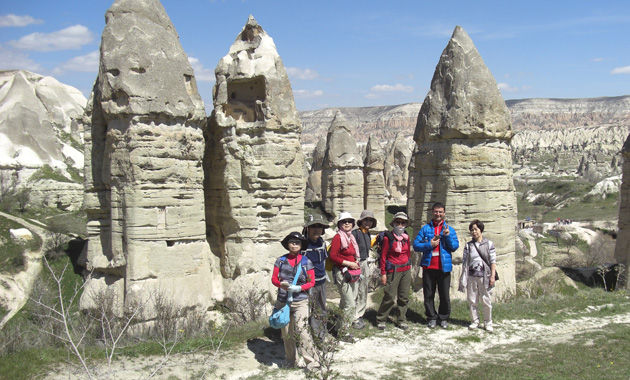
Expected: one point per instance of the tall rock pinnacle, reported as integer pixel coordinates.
(622, 248)
(144, 180)
(463, 155)
(342, 171)
(253, 162)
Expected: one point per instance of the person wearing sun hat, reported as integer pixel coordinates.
(344, 253)
(395, 267)
(364, 241)
(316, 252)
(284, 272)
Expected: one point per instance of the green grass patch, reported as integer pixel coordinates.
(601, 354)
(11, 251)
(47, 172)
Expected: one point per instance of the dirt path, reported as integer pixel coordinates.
(405, 351)
(16, 288)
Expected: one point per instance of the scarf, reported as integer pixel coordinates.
(399, 241)
(346, 239)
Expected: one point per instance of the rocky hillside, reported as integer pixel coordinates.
(40, 137)
(581, 137)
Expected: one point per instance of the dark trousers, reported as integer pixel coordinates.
(430, 279)
(397, 288)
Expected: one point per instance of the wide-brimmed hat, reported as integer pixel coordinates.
(345, 215)
(294, 235)
(314, 220)
(367, 214)
(400, 215)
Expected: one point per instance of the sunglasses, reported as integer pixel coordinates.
(347, 221)
(296, 242)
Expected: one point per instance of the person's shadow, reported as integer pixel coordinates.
(268, 352)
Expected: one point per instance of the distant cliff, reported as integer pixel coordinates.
(580, 137)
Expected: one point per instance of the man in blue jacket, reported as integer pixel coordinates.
(437, 241)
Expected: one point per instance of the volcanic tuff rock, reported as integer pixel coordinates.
(38, 126)
(396, 168)
(374, 182)
(314, 179)
(253, 162)
(342, 172)
(463, 156)
(144, 180)
(622, 248)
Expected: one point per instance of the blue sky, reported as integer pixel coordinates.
(353, 53)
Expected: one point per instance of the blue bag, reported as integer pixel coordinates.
(281, 317)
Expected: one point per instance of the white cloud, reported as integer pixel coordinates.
(11, 60)
(307, 93)
(15, 20)
(85, 63)
(72, 37)
(597, 59)
(506, 87)
(202, 74)
(621, 70)
(389, 88)
(304, 74)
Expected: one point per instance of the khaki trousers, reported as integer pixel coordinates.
(297, 331)
(397, 288)
(362, 290)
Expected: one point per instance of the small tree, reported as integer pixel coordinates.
(22, 197)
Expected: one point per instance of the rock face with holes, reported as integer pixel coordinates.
(144, 179)
(342, 171)
(463, 155)
(622, 248)
(373, 181)
(253, 161)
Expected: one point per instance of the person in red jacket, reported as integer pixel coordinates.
(284, 271)
(395, 272)
(344, 253)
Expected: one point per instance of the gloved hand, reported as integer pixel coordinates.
(295, 288)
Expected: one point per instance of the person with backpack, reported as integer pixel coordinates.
(364, 241)
(437, 241)
(344, 253)
(395, 264)
(285, 269)
(316, 252)
(478, 274)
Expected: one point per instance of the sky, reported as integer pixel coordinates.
(352, 53)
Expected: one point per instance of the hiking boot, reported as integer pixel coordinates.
(403, 326)
(380, 325)
(489, 327)
(432, 323)
(473, 326)
(358, 324)
(444, 324)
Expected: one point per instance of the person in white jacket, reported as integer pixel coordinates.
(478, 275)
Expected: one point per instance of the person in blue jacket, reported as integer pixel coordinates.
(316, 251)
(436, 241)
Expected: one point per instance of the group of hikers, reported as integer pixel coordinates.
(301, 276)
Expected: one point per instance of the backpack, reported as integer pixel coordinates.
(378, 243)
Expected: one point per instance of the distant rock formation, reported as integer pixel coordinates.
(39, 127)
(342, 171)
(622, 248)
(396, 168)
(253, 161)
(144, 179)
(463, 156)
(314, 179)
(592, 153)
(374, 182)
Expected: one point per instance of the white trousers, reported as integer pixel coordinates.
(476, 292)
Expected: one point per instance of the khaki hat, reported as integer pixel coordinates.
(367, 214)
(313, 220)
(400, 215)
